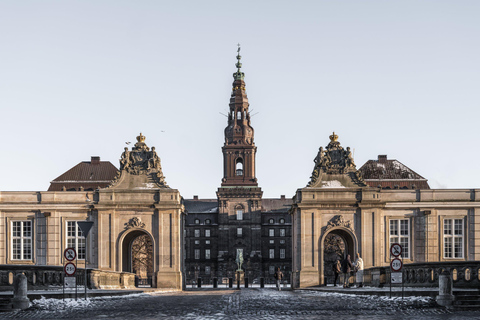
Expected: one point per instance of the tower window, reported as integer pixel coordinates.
(239, 214)
(239, 167)
(239, 115)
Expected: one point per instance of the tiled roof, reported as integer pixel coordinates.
(391, 174)
(87, 175)
(281, 205)
(201, 206)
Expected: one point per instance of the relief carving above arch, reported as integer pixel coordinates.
(135, 222)
(339, 221)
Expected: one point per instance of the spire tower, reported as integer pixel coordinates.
(239, 149)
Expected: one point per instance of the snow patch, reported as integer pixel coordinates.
(332, 184)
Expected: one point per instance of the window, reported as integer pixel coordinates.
(75, 239)
(271, 269)
(453, 238)
(399, 233)
(208, 221)
(239, 232)
(271, 221)
(239, 167)
(271, 253)
(197, 233)
(207, 253)
(197, 253)
(239, 214)
(272, 241)
(282, 241)
(271, 232)
(207, 233)
(282, 221)
(197, 221)
(22, 240)
(207, 241)
(282, 253)
(207, 269)
(197, 241)
(282, 232)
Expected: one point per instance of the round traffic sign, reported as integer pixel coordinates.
(396, 249)
(70, 269)
(396, 264)
(70, 254)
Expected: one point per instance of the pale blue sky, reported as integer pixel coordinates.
(79, 78)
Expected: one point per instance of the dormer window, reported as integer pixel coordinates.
(239, 167)
(197, 221)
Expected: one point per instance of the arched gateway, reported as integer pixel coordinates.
(137, 256)
(141, 215)
(337, 243)
(326, 216)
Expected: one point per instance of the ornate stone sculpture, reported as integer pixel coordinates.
(135, 222)
(239, 259)
(338, 221)
(334, 160)
(141, 161)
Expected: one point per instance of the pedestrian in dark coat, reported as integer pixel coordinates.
(346, 268)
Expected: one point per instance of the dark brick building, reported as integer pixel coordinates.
(239, 220)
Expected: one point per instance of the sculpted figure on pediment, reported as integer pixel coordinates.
(140, 161)
(335, 161)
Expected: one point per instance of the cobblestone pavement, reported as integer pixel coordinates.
(243, 304)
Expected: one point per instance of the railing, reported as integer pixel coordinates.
(464, 274)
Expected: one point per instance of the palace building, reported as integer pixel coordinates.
(145, 234)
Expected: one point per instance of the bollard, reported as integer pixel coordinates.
(246, 282)
(262, 282)
(238, 284)
(199, 283)
(215, 282)
(230, 282)
(20, 299)
(445, 286)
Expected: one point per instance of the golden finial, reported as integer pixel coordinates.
(333, 137)
(141, 138)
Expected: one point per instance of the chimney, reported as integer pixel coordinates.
(195, 197)
(282, 197)
(382, 158)
(95, 160)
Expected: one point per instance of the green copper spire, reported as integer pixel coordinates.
(238, 75)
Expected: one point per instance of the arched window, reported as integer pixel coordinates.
(208, 221)
(239, 167)
(197, 221)
(239, 115)
(282, 220)
(271, 221)
(239, 212)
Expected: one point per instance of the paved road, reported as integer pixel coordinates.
(243, 304)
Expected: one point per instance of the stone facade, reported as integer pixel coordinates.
(36, 227)
(432, 225)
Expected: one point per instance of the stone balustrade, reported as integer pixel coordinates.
(48, 277)
(464, 274)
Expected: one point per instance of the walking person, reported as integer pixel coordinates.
(278, 277)
(337, 268)
(346, 268)
(359, 271)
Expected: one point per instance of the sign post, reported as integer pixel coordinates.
(396, 265)
(85, 226)
(69, 270)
